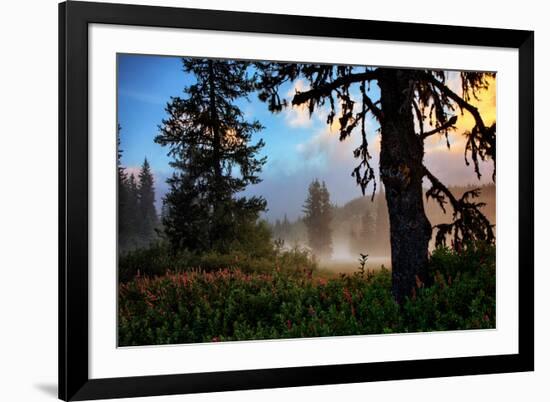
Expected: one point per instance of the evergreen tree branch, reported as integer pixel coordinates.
(449, 124)
(362, 151)
(325, 90)
(439, 191)
(444, 89)
(469, 224)
(419, 117)
(372, 107)
(481, 140)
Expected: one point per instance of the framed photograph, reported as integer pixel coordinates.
(258, 201)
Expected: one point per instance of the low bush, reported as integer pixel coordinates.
(458, 294)
(230, 304)
(160, 259)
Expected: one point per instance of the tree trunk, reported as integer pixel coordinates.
(216, 135)
(217, 229)
(401, 172)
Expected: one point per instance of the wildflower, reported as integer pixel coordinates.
(151, 296)
(185, 279)
(347, 295)
(311, 311)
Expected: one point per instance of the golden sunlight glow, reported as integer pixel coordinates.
(486, 104)
(231, 138)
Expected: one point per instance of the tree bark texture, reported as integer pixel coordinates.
(401, 171)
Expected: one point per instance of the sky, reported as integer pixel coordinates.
(299, 147)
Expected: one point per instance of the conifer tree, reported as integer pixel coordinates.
(410, 107)
(148, 219)
(132, 211)
(213, 158)
(128, 206)
(318, 216)
(122, 187)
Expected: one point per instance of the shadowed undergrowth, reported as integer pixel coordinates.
(230, 304)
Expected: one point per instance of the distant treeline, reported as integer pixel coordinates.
(364, 223)
(137, 216)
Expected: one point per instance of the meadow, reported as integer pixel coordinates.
(229, 304)
(250, 195)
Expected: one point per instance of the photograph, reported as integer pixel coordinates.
(269, 200)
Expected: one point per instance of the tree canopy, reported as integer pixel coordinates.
(412, 105)
(346, 90)
(213, 157)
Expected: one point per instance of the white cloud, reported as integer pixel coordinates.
(297, 116)
(453, 80)
(326, 145)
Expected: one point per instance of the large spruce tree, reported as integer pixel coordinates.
(213, 158)
(408, 100)
(318, 216)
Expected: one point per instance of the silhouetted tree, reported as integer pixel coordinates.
(123, 200)
(213, 158)
(134, 220)
(148, 219)
(129, 216)
(318, 216)
(408, 99)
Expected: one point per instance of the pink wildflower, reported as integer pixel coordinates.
(347, 295)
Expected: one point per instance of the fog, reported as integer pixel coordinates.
(343, 259)
(361, 226)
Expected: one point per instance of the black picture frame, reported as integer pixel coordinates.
(74, 381)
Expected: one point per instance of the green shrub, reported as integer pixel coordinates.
(230, 304)
(459, 293)
(160, 259)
